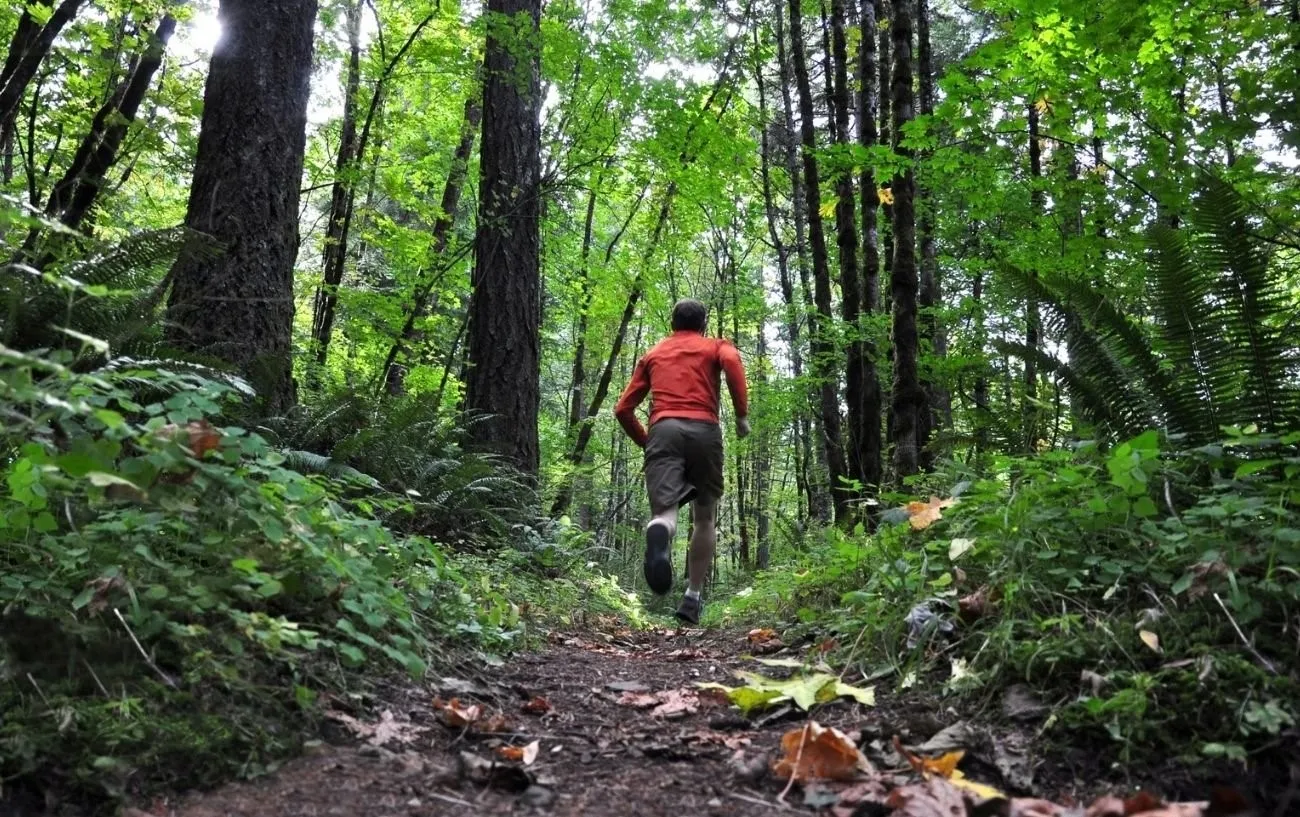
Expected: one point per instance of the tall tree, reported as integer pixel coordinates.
(868, 442)
(938, 407)
(238, 306)
(908, 397)
(1033, 328)
(28, 48)
(823, 345)
(846, 239)
(504, 310)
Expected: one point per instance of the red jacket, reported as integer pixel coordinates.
(681, 375)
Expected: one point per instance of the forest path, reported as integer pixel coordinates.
(619, 729)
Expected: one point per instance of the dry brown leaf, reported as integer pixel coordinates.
(1033, 807)
(922, 515)
(816, 752)
(974, 606)
(537, 706)
(935, 797)
(873, 793)
(638, 700)
(495, 723)
(675, 703)
(761, 635)
(455, 714)
(387, 730)
(512, 753)
(1108, 806)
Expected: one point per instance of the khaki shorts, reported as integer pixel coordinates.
(683, 463)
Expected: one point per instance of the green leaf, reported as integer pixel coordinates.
(1144, 507)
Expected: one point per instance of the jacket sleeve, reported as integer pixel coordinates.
(625, 410)
(734, 370)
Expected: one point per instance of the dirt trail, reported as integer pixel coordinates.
(623, 733)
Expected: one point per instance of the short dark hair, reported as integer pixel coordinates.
(691, 315)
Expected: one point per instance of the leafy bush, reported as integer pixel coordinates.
(1167, 577)
(175, 598)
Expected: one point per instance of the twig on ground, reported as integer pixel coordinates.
(39, 691)
(1264, 662)
(447, 798)
(165, 678)
(794, 770)
(98, 682)
(758, 801)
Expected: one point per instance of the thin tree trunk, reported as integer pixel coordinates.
(846, 236)
(787, 283)
(1029, 411)
(868, 429)
(448, 207)
(577, 379)
(886, 224)
(908, 398)
(28, 48)
(342, 194)
(819, 501)
(823, 346)
(982, 415)
(76, 193)
(762, 458)
(326, 301)
(504, 332)
(238, 306)
(937, 400)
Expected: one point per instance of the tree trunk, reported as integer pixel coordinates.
(238, 306)
(982, 414)
(504, 330)
(908, 398)
(578, 378)
(868, 424)
(886, 223)
(78, 190)
(819, 501)
(937, 400)
(1033, 330)
(823, 347)
(30, 45)
(846, 237)
(342, 195)
(448, 207)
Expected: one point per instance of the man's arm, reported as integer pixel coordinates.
(625, 410)
(734, 370)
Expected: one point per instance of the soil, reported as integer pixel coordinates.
(620, 729)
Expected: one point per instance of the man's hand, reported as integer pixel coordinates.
(742, 427)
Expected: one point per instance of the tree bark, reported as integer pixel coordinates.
(76, 193)
(823, 347)
(28, 48)
(342, 194)
(938, 404)
(247, 174)
(819, 501)
(448, 207)
(868, 425)
(846, 237)
(1033, 330)
(908, 397)
(504, 324)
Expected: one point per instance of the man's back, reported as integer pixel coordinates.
(681, 375)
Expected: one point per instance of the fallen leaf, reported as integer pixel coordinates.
(816, 752)
(537, 706)
(686, 655)
(484, 772)
(974, 606)
(455, 714)
(935, 797)
(794, 663)
(922, 515)
(1150, 639)
(959, 547)
(495, 723)
(512, 753)
(827, 646)
(675, 703)
(1033, 807)
(873, 793)
(762, 636)
(638, 700)
(387, 730)
(946, 767)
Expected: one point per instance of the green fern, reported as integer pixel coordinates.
(1219, 350)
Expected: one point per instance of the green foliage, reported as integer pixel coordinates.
(173, 590)
(1051, 568)
(1219, 350)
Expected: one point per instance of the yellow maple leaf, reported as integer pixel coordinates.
(885, 195)
(828, 209)
(1043, 104)
(922, 515)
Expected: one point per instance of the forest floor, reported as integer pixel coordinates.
(611, 722)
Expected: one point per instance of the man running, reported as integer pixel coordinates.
(683, 449)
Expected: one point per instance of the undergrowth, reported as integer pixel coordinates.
(1151, 593)
(179, 603)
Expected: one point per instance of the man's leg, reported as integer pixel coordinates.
(665, 484)
(704, 540)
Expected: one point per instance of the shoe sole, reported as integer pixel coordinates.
(658, 565)
(687, 619)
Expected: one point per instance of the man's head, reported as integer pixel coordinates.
(690, 315)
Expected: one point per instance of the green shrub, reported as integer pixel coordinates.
(175, 598)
